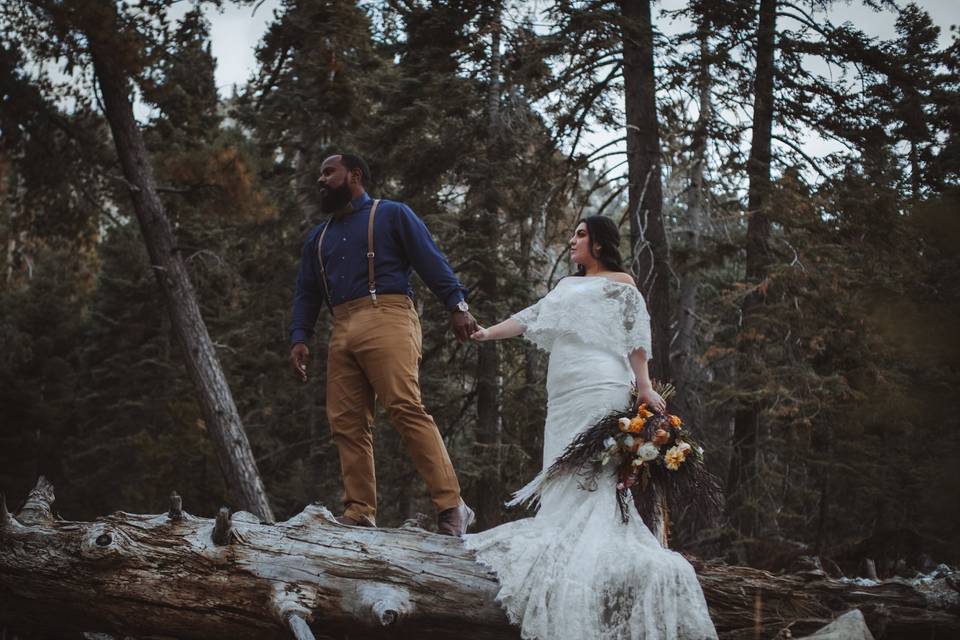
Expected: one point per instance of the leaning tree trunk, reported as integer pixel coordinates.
(648, 240)
(742, 477)
(216, 402)
(176, 575)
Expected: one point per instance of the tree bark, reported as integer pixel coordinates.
(742, 480)
(489, 419)
(648, 241)
(178, 575)
(684, 364)
(305, 187)
(216, 402)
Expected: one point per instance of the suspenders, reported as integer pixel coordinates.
(371, 280)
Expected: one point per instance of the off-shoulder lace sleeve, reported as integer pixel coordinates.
(528, 317)
(636, 319)
(538, 332)
(599, 312)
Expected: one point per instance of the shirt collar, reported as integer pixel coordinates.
(360, 201)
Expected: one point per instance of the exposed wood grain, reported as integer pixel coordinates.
(158, 575)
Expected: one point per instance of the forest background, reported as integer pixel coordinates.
(804, 306)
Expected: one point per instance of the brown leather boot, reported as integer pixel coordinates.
(455, 521)
(352, 521)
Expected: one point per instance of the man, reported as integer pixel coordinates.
(375, 347)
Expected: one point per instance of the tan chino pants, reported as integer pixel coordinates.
(374, 353)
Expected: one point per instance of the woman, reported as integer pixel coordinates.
(575, 571)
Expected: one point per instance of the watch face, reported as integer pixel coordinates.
(462, 306)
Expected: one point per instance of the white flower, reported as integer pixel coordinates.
(636, 462)
(683, 447)
(648, 452)
(624, 424)
(609, 442)
(628, 441)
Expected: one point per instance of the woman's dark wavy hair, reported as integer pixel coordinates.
(603, 231)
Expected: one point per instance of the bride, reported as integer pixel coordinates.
(575, 571)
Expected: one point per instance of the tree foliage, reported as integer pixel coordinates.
(484, 117)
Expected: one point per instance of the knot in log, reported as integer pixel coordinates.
(387, 604)
(102, 541)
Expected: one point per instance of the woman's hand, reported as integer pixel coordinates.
(646, 395)
(481, 334)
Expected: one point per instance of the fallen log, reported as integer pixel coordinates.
(177, 575)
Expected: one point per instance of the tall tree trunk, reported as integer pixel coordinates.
(684, 365)
(219, 411)
(305, 182)
(648, 240)
(489, 420)
(305, 188)
(824, 451)
(742, 481)
(914, 156)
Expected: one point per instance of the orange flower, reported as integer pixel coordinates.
(636, 425)
(675, 421)
(643, 412)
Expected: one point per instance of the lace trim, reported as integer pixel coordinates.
(600, 312)
(587, 576)
(530, 493)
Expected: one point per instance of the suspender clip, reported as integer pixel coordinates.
(371, 276)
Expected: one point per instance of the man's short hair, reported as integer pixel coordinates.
(351, 162)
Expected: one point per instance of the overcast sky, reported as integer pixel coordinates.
(237, 30)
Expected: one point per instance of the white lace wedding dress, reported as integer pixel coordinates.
(575, 571)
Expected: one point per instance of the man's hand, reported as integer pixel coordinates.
(299, 354)
(462, 324)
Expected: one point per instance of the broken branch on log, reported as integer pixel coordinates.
(157, 575)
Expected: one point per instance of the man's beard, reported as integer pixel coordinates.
(332, 200)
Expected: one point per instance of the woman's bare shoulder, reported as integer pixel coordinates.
(623, 278)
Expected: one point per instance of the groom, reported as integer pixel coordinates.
(359, 263)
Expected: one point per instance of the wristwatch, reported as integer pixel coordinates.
(462, 306)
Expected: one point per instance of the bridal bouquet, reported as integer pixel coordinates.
(652, 456)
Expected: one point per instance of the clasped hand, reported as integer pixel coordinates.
(480, 335)
(463, 324)
(653, 400)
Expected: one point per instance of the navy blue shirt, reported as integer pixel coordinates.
(401, 242)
